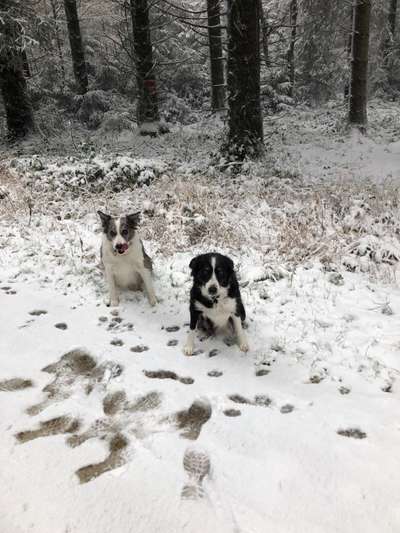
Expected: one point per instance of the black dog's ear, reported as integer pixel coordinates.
(193, 263)
(231, 266)
(105, 219)
(133, 220)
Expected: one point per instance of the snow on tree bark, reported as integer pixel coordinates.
(216, 55)
(245, 135)
(77, 52)
(147, 108)
(359, 70)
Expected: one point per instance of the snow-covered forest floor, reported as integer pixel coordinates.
(107, 427)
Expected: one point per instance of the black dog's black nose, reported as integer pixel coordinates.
(212, 289)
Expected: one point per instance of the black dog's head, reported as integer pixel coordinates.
(119, 231)
(212, 273)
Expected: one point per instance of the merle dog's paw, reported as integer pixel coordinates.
(243, 345)
(153, 301)
(188, 349)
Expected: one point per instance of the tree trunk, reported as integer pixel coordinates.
(58, 40)
(147, 108)
(245, 136)
(359, 64)
(349, 42)
(12, 83)
(77, 52)
(391, 30)
(264, 35)
(293, 11)
(216, 55)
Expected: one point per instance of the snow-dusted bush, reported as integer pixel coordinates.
(91, 107)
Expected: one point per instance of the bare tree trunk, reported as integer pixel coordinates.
(245, 136)
(349, 42)
(147, 109)
(58, 40)
(293, 12)
(75, 39)
(264, 36)
(12, 82)
(390, 36)
(359, 71)
(216, 55)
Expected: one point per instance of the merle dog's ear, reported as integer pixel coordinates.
(105, 219)
(133, 220)
(193, 263)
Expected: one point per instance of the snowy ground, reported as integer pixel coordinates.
(106, 427)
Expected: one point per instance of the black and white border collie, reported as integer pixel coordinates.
(215, 300)
(126, 264)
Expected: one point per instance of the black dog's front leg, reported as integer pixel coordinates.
(194, 318)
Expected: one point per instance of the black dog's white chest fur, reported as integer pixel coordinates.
(215, 297)
(220, 312)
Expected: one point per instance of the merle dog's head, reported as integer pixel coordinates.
(120, 231)
(212, 273)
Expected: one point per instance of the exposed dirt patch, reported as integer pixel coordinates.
(149, 401)
(232, 412)
(115, 459)
(114, 402)
(287, 408)
(262, 372)
(315, 379)
(172, 342)
(167, 374)
(172, 329)
(238, 398)
(10, 385)
(192, 420)
(76, 368)
(38, 312)
(215, 373)
(354, 433)
(54, 426)
(139, 349)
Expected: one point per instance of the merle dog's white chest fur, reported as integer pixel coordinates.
(221, 311)
(125, 268)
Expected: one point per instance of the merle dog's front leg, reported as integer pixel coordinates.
(113, 297)
(194, 317)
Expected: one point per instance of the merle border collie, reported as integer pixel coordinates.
(126, 264)
(215, 300)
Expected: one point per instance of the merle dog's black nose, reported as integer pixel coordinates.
(212, 289)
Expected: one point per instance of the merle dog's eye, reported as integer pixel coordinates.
(113, 234)
(124, 232)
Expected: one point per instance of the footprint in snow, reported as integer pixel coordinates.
(354, 433)
(167, 374)
(197, 466)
